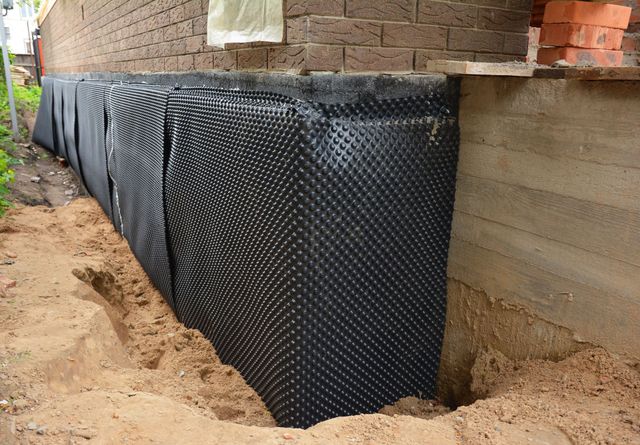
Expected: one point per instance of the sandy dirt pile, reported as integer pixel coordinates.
(90, 353)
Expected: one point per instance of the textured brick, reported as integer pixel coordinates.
(503, 20)
(494, 3)
(192, 9)
(287, 58)
(314, 7)
(414, 36)
(599, 57)
(520, 5)
(203, 61)
(599, 14)
(185, 29)
(423, 56)
(199, 25)
(252, 59)
(185, 63)
(581, 36)
(343, 31)
(516, 44)
(171, 63)
(225, 60)
(195, 44)
(297, 30)
(324, 58)
(176, 14)
(390, 10)
(447, 14)
(378, 59)
(473, 40)
(372, 35)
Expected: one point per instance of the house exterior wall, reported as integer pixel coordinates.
(327, 35)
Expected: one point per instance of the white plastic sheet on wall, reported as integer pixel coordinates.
(242, 21)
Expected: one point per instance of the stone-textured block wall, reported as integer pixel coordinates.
(320, 35)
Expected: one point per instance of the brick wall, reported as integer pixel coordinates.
(320, 35)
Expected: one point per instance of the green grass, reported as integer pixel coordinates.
(27, 100)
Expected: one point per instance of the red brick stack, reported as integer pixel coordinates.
(583, 33)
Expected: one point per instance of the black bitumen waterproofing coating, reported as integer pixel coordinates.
(308, 241)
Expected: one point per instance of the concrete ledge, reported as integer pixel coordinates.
(323, 88)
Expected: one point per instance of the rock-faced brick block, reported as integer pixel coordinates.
(503, 20)
(225, 60)
(580, 36)
(447, 14)
(203, 61)
(185, 63)
(199, 25)
(388, 10)
(287, 58)
(378, 59)
(297, 30)
(343, 31)
(461, 39)
(324, 58)
(414, 36)
(517, 44)
(598, 57)
(331, 8)
(423, 56)
(252, 59)
(585, 13)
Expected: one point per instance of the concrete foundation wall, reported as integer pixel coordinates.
(545, 248)
(328, 35)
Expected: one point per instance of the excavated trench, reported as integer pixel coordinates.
(89, 349)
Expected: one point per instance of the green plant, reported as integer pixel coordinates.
(6, 177)
(27, 100)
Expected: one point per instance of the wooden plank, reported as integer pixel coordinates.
(604, 184)
(601, 229)
(515, 69)
(461, 68)
(597, 271)
(603, 73)
(603, 141)
(595, 316)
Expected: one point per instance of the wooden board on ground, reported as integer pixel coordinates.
(517, 69)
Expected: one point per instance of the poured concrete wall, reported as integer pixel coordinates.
(545, 248)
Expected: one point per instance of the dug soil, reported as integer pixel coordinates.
(91, 353)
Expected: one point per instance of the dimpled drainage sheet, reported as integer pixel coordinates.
(136, 158)
(91, 141)
(310, 243)
(307, 241)
(43, 130)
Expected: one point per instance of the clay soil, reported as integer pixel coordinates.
(90, 353)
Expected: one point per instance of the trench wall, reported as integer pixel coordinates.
(545, 249)
(326, 35)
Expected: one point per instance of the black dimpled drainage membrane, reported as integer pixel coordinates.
(58, 118)
(307, 241)
(70, 129)
(43, 133)
(92, 129)
(136, 164)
